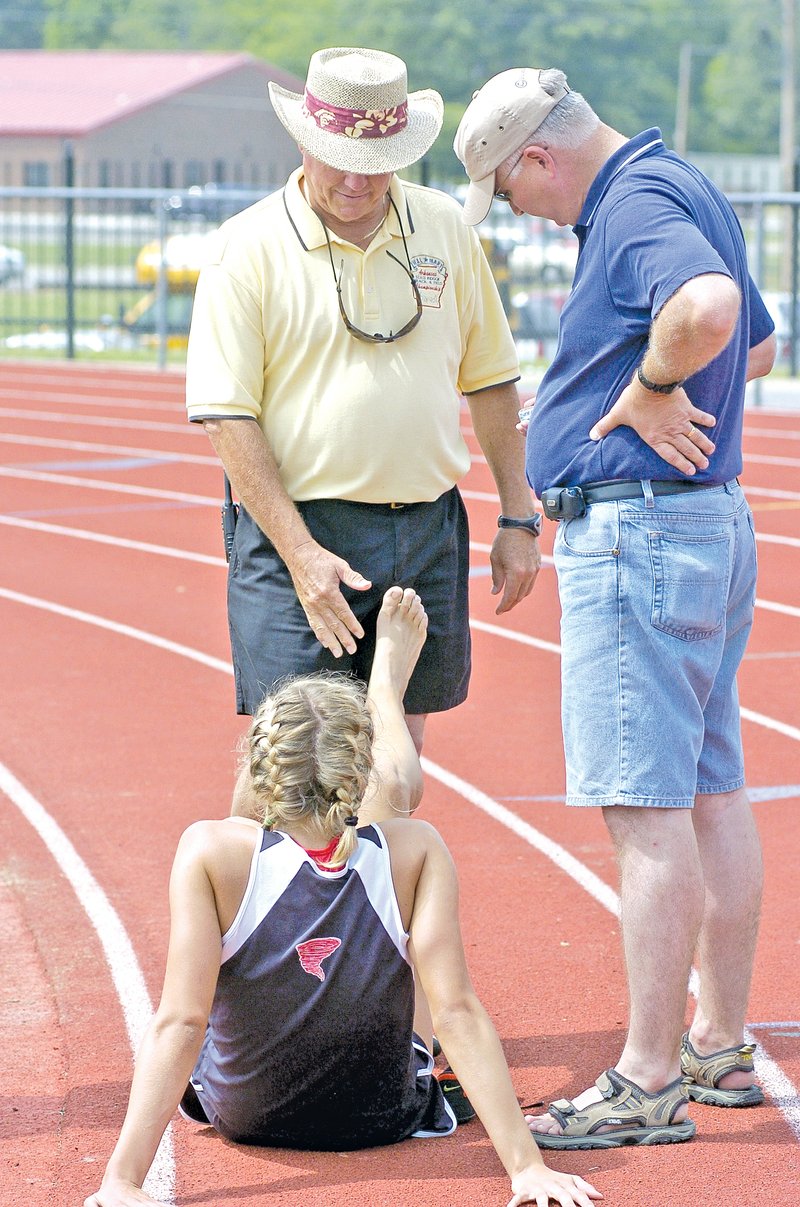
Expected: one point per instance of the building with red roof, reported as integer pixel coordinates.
(141, 120)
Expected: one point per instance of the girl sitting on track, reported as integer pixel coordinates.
(288, 1000)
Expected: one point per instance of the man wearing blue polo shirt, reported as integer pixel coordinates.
(634, 447)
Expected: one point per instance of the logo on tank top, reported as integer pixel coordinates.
(313, 952)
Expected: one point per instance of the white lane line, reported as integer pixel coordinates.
(133, 425)
(758, 718)
(772, 1077)
(764, 459)
(480, 496)
(159, 402)
(771, 432)
(113, 626)
(117, 542)
(123, 965)
(770, 606)
(769, 538)
(206, 559)
(787, 1098)
(123, 450)
(496, 630)
(120, 488)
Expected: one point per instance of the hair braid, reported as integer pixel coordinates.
(310, 747)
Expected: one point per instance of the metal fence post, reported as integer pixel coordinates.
(69, 245)
(162, 290)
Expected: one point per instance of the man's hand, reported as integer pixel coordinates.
(666, 422)
(317, 575)
(515, 560)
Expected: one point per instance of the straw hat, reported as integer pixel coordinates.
(356, 114)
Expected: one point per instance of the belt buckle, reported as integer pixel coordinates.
(397, 506)
(563, 503)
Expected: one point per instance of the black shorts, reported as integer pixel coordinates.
(421, 545)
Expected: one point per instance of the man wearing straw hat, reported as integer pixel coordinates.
(333, 335)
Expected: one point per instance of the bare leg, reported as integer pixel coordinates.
(661, 887)
(730, 853)
(416, 727)
(662, 902)
(395, 787)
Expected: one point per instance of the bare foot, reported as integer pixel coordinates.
(547, 1125)
(401, 631)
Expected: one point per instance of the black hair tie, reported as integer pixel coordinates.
(351, 821)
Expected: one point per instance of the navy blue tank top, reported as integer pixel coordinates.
(310, 1038)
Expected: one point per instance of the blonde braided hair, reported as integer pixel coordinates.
(310, 756)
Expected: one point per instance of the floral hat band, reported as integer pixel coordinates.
(356, 123)
(356, 113)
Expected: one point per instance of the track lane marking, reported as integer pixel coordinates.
(123, 450)
(208, 559)
(126, 973)
(773, 1079)
(481, 496)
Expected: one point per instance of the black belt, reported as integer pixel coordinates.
(568, 502)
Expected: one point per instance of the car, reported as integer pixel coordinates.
(12, 264)
(549, 261)
(180, 259)
(212, 202)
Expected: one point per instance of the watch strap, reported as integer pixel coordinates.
(657, 387)
(531, 523)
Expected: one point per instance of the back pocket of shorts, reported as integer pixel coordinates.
(690, 583)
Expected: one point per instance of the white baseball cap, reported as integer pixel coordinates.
(497, 121)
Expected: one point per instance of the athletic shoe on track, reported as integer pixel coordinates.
(455, 1097)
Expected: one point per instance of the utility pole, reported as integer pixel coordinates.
(788, 154)
(681, 140)
(788, 139)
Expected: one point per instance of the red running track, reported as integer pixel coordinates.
(118, 730)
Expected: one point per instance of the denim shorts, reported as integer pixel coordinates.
(421, 545)
(657, 597)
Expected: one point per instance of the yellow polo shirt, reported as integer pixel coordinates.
(344, 418)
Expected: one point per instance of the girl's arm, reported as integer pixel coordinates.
(470, 1041)
(172, 1042)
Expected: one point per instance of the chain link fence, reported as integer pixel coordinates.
(110, 273)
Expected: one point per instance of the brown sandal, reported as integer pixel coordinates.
(702, 1075)
(636, 1116)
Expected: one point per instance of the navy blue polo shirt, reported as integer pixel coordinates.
(650, 223)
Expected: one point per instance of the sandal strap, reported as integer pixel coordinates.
(709, 1070)
(624, 1104)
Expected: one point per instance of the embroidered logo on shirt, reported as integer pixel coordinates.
(430, 273)
(313, 952)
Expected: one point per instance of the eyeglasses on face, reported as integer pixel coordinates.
(504, 193)
(378, 337)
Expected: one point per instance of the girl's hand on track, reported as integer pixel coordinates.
(121, 1194)
(541, 1185)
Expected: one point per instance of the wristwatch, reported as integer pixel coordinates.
(666, 388)
(532, 523)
